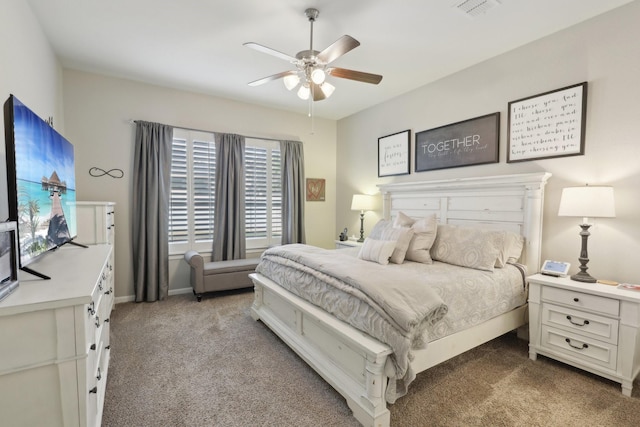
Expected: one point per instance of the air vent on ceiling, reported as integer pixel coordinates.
(475, 8)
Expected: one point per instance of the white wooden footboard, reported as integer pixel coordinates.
(349, 360)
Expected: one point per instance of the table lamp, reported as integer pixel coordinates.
(362, 202)
(586, 202)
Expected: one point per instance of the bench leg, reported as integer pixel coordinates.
(198, 296)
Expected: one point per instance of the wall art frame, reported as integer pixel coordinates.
(315, 189)
(394, 154)
(548, 125)
(469, 142)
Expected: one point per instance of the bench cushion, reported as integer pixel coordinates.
(219, 275)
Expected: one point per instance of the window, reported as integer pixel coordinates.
(193, 192)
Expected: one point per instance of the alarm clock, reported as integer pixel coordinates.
(555, 268)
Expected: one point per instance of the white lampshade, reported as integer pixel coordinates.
(327, 88)
(318, 75)
(291, 81)
(304, 92)
(587, 201)
(363, 202)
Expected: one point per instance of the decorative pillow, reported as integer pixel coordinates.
(423, 237)
(377, 250)
(384, 230)
(467, 246)
(512, 249)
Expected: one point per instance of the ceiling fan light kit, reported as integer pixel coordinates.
(312, 68)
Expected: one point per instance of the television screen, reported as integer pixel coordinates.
(40, 180)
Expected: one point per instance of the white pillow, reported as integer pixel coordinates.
(384, 230)
(377, 250)
(424, 235)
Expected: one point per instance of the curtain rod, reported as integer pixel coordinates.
(210, 131)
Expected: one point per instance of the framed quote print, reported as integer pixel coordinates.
(393, 154)
(470, 142)
(551, 124)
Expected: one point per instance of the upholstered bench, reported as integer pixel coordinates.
(219, 275)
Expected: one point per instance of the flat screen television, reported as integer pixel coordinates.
(8, 258)
(41, 183)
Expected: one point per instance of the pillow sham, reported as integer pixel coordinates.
(376, 250)
(384, 230)
(424, 235)
(512, 249)
(467, 246)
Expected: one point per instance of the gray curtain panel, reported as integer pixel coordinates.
(151, 196)
(229, 217)
(293, 192)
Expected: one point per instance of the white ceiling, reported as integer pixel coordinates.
(196, 45)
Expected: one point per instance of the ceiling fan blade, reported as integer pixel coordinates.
(271, 78)
(318, 94)
(269, 51)
(341, 46)
(360, 76)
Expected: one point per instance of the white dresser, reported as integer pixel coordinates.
(54, 340)
(591, 326)
(96, 222)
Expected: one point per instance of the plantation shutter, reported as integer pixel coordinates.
(256, 192)
(178, 219)
(203, 190)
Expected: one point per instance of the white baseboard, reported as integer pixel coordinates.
(131, 298)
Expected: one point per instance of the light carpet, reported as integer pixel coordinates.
(183, 363)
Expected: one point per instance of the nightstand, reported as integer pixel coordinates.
(347, 244)
(591, 326)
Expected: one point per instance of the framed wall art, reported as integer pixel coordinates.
(315, 189)
(470, 142)
(551, 124)
(393, 154)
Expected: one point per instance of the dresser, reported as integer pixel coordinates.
(96, 222)
(54, 340)
(591, 326)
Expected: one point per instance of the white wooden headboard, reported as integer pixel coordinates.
(507, 202)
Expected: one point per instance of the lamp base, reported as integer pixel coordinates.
(583, 277)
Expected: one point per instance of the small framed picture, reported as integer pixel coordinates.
(393, 154)
(315, 189)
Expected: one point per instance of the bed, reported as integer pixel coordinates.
(356, 363)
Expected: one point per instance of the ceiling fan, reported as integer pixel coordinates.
(313, 67)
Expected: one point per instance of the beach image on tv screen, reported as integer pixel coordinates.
(45, 181)
(5, 256)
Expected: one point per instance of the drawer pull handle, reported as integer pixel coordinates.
(576, 299)
(99, 377)
(576, 347)
(93, 347)
(584, 323)
(91, 309)
(93, 390)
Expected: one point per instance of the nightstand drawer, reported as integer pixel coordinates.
(580, 322)
(580, 347)
(581, 301)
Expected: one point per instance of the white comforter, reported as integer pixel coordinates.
(396, 310)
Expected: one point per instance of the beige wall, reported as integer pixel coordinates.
(97, 110)
(604, 52)
(29, 70)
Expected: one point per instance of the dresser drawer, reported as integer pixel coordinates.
(581, 322)
(579, 300)
(580, 347)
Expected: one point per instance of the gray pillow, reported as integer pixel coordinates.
(423, 237)
(467, 246)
